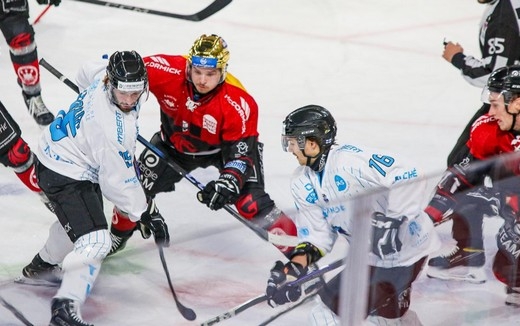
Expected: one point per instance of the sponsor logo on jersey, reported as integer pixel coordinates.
(509, 241)
(242, 148)
(28, 74)
(160, 63)
(303, 232)
(209, 123)
(341, 184)
(243, 110)
(312, 197)
(327, 211)
(350, 148)
(239, 165)
(127, 158)
(147, 175)
(120, 127)
(132, 180)
(407, 175)
(191, 105)
(414, 228)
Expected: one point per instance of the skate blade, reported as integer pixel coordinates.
(35, 282)
(463, 274)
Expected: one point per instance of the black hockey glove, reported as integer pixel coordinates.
(217, 194)
(49, 2)
(152, 221)
(385, 237)
(277, 291)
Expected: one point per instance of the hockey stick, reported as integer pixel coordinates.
(280, 240)
(15, 312)
(41, 14)
(276, 239)
(214, 7)
(289, 309)
(262, 298)
(187, 313)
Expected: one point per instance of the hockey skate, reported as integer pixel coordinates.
(460, 265)
(64, 312)
(41, 273)
(513, 296)
(118, 242)
(38, 109)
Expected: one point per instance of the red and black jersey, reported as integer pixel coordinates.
(224, 120)
(487, 140)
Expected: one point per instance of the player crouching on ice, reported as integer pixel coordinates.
(403, 234)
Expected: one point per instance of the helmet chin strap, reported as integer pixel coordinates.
(320, 159)
(513, 123)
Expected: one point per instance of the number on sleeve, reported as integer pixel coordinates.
(380, 162)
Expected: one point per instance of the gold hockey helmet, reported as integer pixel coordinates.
(209, 51)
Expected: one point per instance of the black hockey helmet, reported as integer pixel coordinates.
(126, 71)
(511, 83)
(495, 81)
(313, 122)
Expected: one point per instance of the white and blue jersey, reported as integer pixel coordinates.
(95, 141)
(322, 200)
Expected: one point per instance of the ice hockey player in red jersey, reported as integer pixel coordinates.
(19, 35)
(207, 119)
(486, 186)
(16, 154)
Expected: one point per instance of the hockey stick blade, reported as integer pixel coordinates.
(262, 298)
(15, 312)
(186, 312)
(210, 10)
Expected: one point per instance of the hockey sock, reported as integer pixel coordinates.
(283, 225)
(121, 224)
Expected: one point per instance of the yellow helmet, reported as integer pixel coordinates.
(209, 51)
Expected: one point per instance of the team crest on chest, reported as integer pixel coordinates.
(191, 105)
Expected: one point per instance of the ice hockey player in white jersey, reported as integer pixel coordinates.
(403, 234)
(85, 154)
